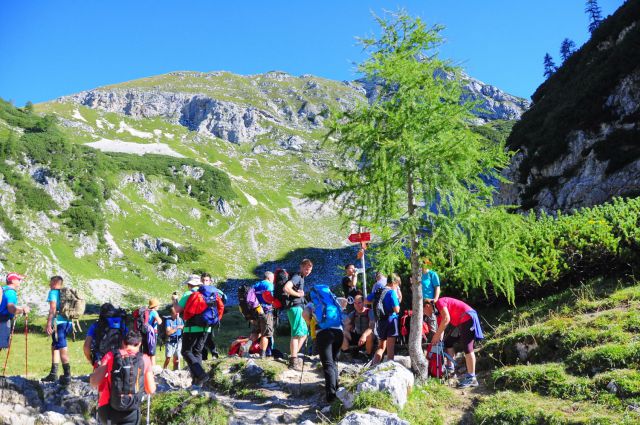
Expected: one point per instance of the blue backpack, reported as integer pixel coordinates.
(202, 307)
(325, 307)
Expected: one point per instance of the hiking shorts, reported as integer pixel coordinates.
(108, 415)
(298, 325)
(173, 349)
(59, 337)
(264, 325)
(5, 334)
(465, 336)
(387, 328)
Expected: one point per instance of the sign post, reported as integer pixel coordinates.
(362, 238)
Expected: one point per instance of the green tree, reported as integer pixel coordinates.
(28, 107)
(420, 178)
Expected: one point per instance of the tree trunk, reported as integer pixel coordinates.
(418, 359)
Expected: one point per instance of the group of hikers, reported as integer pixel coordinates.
(122, 351)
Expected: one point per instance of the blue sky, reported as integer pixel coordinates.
(49, 48)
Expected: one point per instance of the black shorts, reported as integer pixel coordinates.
(108, 415)
(462, 334)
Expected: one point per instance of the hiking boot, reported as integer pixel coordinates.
(468, 381)
(296, 363)
(65, 380)
(201, 380)
(51, 377)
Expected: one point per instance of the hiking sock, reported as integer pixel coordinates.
(66, 368)
(53, 375)
(263, 354)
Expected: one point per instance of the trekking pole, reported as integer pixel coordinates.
(148, 407)
(26, 345)
(13, 328)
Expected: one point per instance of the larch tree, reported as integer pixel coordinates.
(415, 173)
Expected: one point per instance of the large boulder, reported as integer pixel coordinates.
(391, 377)
(372, 417)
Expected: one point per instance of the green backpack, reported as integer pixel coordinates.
(72, 304)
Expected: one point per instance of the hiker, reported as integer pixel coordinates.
(262, 327)
(9, 307)
(174, 328)
(201, 307)
(106, 334)
(386, 306)
(350, 285)
(209, 343)
(149, 341)
(381, 282)
(294, 289)
(121, 378)
(430, 291)
(58, 327)
(464, 318)
(360, 325)
(327, 312)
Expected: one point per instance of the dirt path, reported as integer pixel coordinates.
(468, 398)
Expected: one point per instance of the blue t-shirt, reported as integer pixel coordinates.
(173, 324)
(152, 319)
(389, 302)
(9, 296)
(430, 281)
(54, 295)
(260, 287)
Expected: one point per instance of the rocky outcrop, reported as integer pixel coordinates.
(390, 377)
(584, 175)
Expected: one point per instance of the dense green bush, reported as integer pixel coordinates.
(9, 226)
(626, 381)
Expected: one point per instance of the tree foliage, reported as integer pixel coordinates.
(594, 12)
(567, 48)
(549, 66)
(423, 181)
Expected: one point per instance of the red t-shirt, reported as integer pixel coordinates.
(104, 389)
(457, 310)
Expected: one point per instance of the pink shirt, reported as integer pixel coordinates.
(457, 310)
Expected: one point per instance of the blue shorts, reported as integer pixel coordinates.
(59, 337)
(387, 328)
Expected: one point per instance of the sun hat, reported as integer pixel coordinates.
(193, 280)
(12, 276)
(153, 302)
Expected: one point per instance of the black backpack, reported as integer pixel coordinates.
(280, 298)
(127, 382)
(108, 338)
(162, 331)
(378, 303)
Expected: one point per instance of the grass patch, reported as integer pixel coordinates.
(605, 357)
(626, 382)
(228, 376)
(180, 407)
(429, 404)
(376, 399)
(525, 408)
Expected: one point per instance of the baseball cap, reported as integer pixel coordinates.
(13, 276)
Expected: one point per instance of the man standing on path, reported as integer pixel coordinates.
(9, 307)
(294, 288)
(430, 292)
(193, 337)
(263, 326)
(58, 327)
(350, 286)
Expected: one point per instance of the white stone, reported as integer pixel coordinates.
(391, 377)
(372, 417)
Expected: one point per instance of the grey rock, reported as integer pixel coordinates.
(223, 207)
(252, 371)
(389, 376)
(372, 417)
(88, 245)
(346, 397)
